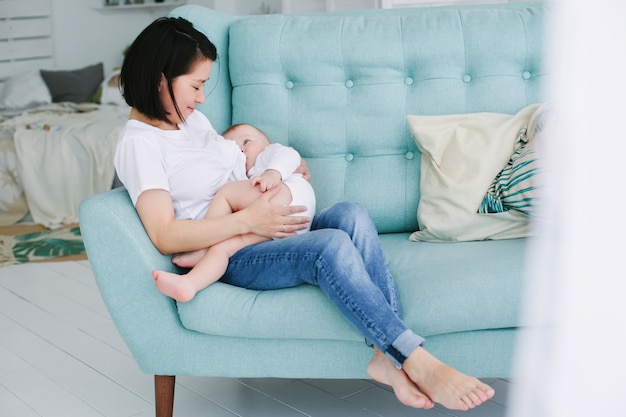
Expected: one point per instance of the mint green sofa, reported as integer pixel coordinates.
(338, 87)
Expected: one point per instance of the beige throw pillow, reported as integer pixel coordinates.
(461, 156)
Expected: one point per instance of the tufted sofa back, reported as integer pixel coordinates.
(338, 87)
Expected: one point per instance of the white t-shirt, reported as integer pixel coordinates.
(191, 163)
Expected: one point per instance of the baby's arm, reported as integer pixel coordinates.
(267, 180)
(277, 162)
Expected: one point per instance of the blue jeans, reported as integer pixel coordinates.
(342, 255)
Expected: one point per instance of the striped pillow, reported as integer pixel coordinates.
(517, 185)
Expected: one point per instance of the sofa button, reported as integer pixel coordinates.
(408, 81)
(289, 84)
(349, 157)
(467, 78)
(349, 84)
(409, 155)
(526, 75)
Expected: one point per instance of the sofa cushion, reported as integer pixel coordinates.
(518, 186)
(461, 156)
(445, 288)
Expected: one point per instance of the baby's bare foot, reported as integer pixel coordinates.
(175, 286)
(443, 384)
(188, 259)
(382, 370)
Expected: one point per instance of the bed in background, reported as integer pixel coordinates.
(58, 128)
(57, 141)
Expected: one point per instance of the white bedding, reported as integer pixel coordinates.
(63, 154)
(13, 205)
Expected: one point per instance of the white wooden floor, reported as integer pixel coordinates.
(60, 355)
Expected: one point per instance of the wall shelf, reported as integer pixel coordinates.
(142, 6)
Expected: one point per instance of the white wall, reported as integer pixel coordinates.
(244, 6)
(85, 35)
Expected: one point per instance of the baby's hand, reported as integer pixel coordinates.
(268, 180)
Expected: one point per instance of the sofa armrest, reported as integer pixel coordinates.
(122, 258)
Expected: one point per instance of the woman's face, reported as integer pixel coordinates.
(188, 90)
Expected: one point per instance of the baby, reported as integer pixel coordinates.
(268, 166)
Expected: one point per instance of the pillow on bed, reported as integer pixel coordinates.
(110, 90)
(461, 155)
(24, 91)
(76, 86)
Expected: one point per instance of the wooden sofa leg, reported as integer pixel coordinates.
(164, 395)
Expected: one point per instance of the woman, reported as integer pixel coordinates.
(172, 163)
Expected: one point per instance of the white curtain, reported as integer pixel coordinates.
(573, 361)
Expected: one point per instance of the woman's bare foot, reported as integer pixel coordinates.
(175, 286)
(382, 370)
(443, 384)
(188, 259)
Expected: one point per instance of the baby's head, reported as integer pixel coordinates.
(251, 141)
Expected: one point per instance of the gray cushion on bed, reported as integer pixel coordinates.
(76, 86)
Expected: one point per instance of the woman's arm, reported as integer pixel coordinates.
(172, 236)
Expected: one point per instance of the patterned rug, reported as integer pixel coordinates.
(33, 243)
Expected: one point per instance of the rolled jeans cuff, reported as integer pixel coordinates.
(403, 346)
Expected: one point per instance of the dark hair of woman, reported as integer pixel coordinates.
(170, 47)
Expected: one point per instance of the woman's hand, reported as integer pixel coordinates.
(266, 219)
